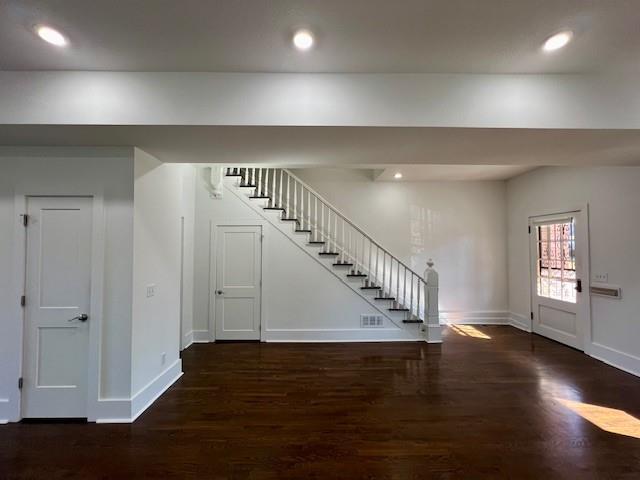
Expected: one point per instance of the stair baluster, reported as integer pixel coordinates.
(348, 243)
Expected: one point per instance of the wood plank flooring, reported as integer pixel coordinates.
(471, 408)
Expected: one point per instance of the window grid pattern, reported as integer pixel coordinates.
(556, 264)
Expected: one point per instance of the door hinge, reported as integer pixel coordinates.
(25, 219)
(20, 383)
(23, 301)
(531, 315)
(529, 228)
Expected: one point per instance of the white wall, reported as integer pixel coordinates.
(71, 171)
(461, 225)
(301, 301)
(613, 197)
(437, 100)
(156, 332)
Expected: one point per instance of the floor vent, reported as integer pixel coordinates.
(371, 321)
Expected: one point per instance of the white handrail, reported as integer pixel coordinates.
(350, 222)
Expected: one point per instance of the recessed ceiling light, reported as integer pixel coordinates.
(557, 41)
(51, 35)
(303, 39)
(397, 176)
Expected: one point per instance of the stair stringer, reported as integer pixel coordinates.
(286, 229)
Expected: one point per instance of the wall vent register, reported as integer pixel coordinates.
(371, 321)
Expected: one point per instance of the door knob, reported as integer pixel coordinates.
(219, 292)
(83, 317)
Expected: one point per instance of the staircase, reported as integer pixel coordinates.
(382, 279)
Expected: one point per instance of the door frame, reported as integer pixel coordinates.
(213, 228)
(584, 309)
(98, 232)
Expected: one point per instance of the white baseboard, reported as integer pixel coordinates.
(112, 410)
(4, 411)
(127, 410)
(475, 318)
(201, 336)
(521, 322)
(187, 340)
(156, 387)
(341, 335)
(624, 361)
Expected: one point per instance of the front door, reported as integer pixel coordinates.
(559, 294)
(238, 282)
(58, 296)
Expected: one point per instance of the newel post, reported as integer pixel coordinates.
(431, 328)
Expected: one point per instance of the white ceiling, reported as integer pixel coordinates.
(489, 36)
(424, 173)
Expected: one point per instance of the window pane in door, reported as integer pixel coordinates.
(556, 265)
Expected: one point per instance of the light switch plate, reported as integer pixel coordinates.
(151, 290)
(601, 277)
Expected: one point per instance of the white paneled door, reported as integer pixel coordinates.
(57, 290)
(559, 270)
(238, 282)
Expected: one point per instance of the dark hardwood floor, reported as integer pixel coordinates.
(471, 408)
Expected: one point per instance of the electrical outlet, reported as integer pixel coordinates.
(163, 358)
(151, 290)
(601, 277)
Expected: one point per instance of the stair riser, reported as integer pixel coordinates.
(399, 316)
(371, 293)
(355, 281)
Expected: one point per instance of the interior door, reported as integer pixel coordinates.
(238, 282)
(58, 296)
(559, 257)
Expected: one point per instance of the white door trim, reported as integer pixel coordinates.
(97, 288)
(213, 228)
(583, 231)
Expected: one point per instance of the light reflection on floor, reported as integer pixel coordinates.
(469, 331)
(608, 419)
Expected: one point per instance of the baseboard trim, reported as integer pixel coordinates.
(112, 410)
(128, 410)
(187, 340)
(520, 322)
(490, 317)
(201, 336)
(4, 411)
(156, 387)
(340, 335)
(623, 361)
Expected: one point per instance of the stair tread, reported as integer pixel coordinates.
(248, 186)
(412, 321)
(233, 175)
(398, 309)
(385, 298)
(343, 264)
(356, 275)
(260, 196)
(303, 231)
(316, 242)
(370, 287)
(289, 219)
(273, 208)
(328, 253)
